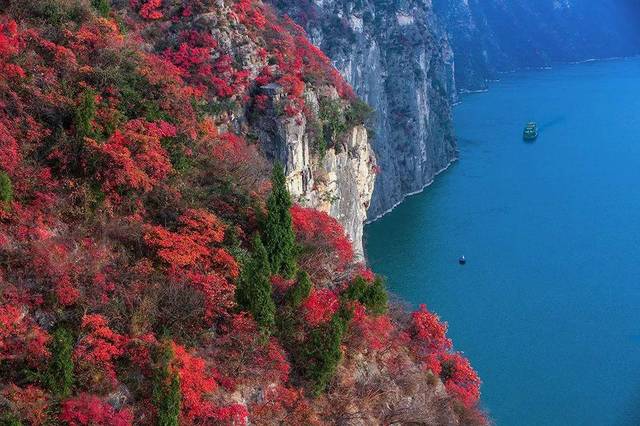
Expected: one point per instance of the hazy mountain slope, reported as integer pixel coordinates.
(490, 36)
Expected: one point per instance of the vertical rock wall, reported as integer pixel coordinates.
(398, 60)
(339, 181)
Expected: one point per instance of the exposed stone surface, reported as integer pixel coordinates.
(399, 61)
(340, 182)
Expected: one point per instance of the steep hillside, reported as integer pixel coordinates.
(398, 60)
(490, 36)
(151, 272)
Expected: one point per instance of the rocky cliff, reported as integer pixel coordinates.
(333, 173)
(492, 36)
(399, 61)
(338, 180)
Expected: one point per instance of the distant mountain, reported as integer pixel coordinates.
(490, 36)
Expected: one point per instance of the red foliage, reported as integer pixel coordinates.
(90, 410)
(134, 157)
(282, 404)
(430, 344)
(366, 273)
(274, 360)
(191, 246)
(428, 333)
(191, 257)
(175, 249)
(196, 383)
(66, 293)
(20, 337)
(230, 149)
(29, 403)
(460, 379)
(377, 332)
(202, 226)
(320, 306)
(241, 355)
(324, 242)
(9, 150)
(432, 362)
(194, 56)
(10, 45)
(261, 102)
(96, 351)
(149, 9)
(217, 292)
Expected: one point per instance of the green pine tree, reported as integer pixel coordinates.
(59, 375)
(321, 352)
(166, 389)
(102, 6)
(254, 292)
(85, 113)
(8, 419)
(287, 318)
(280, 240)
(372, 295)
(299, 291)
(6, 189)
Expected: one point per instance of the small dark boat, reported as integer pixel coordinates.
(530, 132)
(462, 260)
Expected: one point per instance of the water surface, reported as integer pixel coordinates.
(548, 306)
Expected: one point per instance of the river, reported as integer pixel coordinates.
(547, 307)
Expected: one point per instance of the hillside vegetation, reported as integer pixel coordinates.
(153, 268)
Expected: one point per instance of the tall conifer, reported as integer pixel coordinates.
(6, 189)
(166, 389)
(254, 293)
(321, 353)
(59, 375)
(280, 240)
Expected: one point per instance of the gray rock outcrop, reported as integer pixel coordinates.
(398, 60)
(339, 181)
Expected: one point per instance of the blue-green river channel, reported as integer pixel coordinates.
(548, 306)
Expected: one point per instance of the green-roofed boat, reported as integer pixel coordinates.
(530, 132)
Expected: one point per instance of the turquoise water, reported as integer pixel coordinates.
(548, 306)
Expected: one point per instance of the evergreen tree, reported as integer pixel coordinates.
(372, 295)
(59, 375)
(254, 293)
(288, 321)
(6, 188)
(321, 352)
(85, 113)
(280, 240)
(300, 291)
(376, 297)
(166, 389)
(9, 419)
(102, 6)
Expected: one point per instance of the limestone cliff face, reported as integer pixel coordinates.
(492, 36)
(399, 61)
(338, 181)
